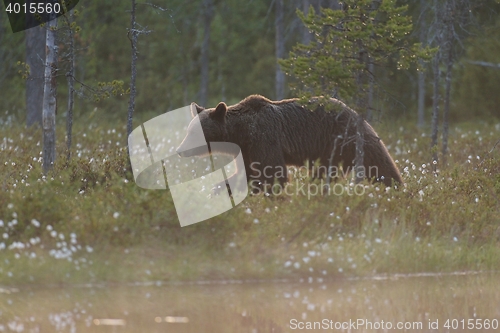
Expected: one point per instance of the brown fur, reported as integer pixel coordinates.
(280, 133)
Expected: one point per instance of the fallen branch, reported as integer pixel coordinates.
(484, 63)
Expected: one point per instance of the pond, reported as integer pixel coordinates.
(454, 302)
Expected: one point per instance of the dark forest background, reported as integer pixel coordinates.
(240, 56)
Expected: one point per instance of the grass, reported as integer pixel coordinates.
(87, 222)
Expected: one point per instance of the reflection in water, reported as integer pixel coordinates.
(260, 307)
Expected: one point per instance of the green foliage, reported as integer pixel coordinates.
(476, 86)
(242, 51)
(107, 89)
(102, 90)
(347, 41)
(12, 85)
(24, 69)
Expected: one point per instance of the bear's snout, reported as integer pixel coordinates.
(180, 152)
(197, 151)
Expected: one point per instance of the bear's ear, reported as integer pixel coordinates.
(195, 109)
(220, 112)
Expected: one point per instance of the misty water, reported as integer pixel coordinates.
(421, 303)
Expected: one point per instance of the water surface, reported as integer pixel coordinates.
(422, 303)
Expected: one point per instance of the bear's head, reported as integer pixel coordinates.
(212, 129)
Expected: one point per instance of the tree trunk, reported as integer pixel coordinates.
(361, 104)
(449, 67)
(359, 168)
(370, 75)
(446, 111)
(205, 46)
(435, 108)
(421, 98)
(280, 49)
(49, 97)
(371, 91)
(35, 59)
(421, 72)
(133, 33)
(71, 93)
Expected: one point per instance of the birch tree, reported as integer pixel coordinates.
(133, 34)
(70, 76)
(49, 97)
(423, 28)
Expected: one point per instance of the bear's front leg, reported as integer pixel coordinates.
(266, 170)
(233, 183)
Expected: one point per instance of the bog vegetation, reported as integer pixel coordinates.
(88, 222)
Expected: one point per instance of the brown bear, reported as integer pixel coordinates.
(275, 134)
